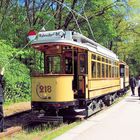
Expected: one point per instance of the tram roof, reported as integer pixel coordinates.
(73, 39)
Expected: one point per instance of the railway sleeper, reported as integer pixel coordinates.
(44, 119)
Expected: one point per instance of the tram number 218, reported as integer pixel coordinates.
(45, 89)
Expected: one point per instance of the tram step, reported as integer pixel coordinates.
(79, 110)
(81, 117)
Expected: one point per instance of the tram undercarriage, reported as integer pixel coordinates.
(81, 107)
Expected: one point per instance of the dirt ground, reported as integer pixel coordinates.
(16, 107)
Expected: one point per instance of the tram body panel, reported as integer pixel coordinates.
(126, 81)
(127, 76)
(122, 83)
(101, 87)
(52, 89)
(124, 75)
(101, 80)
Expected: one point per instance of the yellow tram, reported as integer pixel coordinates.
(79, 74)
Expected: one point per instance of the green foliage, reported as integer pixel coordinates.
(115, 24)
(17, 79)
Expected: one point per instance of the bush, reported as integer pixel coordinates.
(17, 77)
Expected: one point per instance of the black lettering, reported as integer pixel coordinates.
(41, 88)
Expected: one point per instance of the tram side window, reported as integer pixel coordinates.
(113, 71)
(98, 70)
(99, 58)
(93, 57)
(93, 69)
(117, 72)
(103, 70)
(109, 71)
(53, 64)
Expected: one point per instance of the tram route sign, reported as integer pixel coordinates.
(50, 35)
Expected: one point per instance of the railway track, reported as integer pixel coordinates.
(15, 122)
(28, 120)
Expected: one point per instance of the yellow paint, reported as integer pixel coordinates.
(127, 81)
(52, 88)
(100, 87)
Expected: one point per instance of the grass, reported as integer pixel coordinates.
(39, 134)
(9, 103)
(59, 131)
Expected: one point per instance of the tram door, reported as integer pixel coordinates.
(82, 70)
(122, 76)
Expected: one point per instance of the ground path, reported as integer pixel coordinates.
(120, 122)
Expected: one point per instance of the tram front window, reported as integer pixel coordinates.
(53, 64)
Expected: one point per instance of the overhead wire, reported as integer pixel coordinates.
(76, 21)
(27, 43)
(84, 17)
(72, 11)
(88, 20)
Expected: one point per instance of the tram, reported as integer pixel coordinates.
(79, 74)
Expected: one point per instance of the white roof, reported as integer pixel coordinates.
(73, 38)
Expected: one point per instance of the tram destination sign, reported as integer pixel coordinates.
(51, 35)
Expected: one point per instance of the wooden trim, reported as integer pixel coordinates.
(46, 75)
(95, 79)
(104, 88)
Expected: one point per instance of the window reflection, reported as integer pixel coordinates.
(53, 64)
